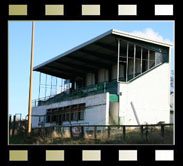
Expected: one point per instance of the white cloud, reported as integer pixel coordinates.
(151, 34)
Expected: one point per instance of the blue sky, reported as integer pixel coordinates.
(55, 37)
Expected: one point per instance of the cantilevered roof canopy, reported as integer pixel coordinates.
(100, 52)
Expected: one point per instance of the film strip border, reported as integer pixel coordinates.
(84, 10)
(18, 156)
(48, 155)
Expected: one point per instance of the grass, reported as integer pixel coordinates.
(116, 137)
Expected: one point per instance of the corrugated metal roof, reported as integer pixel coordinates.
(99, 52)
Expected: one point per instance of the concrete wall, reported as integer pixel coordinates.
(41, 110)
(97, 110)
(103, 75)
(149, 95)
(114, 72)
(172, 120)
(113, 112)
(90, 79)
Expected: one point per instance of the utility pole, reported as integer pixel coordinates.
(30, 81)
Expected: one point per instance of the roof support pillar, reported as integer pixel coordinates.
(127, 61)
(56, 85)
(45, 85)
(118, 60)
(51, 86)
(83, 82)
(148, 59)
(96, 77)
(39, 85)
(141, 60)
(134, 60)
(110, 73)
(73, 83)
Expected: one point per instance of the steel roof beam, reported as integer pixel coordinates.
(91, 63)
(56, 74)
(66, 71)
(85, 68)
(106, 46)
(84, 63)
(104, 57)
(69, 66)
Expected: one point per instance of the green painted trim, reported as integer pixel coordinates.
(151, 46)
(113, 98)
(147, 45)
(118, 120)
(104, 87)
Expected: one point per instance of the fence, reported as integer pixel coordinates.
(107, 131)
(17, 124)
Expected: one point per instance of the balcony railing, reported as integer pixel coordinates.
(110, 87)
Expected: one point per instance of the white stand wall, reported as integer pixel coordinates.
(150, 96)
(97, 110)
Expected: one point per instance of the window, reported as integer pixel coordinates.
(138, 61)
(67, 117)
(144, 60)
(59, 119)
(81, 115)
(54, 118)
(151, 59)
(158, 58)
(64, 117)
(47, 119)
(69, 113)
(72, 116)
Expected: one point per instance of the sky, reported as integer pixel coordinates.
(55, 37)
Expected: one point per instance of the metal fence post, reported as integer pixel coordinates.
(95, 132)
(124, 132)
(61, 131)
(162, 130)
(146, 133)
(14, 124)
(10, 125)
(82, 131)
(142, 130)
(70, 131)
(104, 87)
(109, 129)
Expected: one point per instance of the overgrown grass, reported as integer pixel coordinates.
(132, 137)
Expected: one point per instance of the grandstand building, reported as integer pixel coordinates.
(115, 78)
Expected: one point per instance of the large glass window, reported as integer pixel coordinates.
(130, 60)
(144, 59)
(134, 60)
(138, 61)
(158, 58)
(152, 59)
